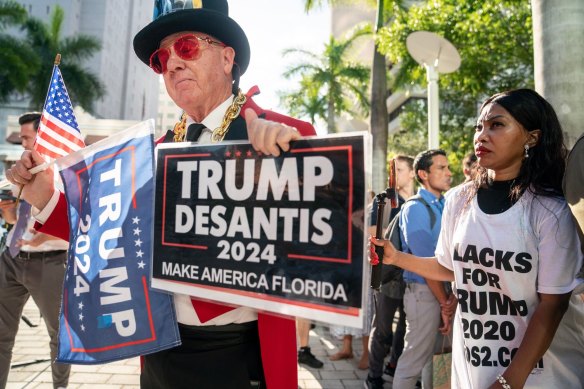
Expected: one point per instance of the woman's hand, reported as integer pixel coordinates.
(389, 251)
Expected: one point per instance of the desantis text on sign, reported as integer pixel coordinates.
(285, 229)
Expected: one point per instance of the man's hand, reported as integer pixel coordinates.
(447, 310)
(38, 188)
(36, 239)
(7, 204)
(267, 136)
(8, 211)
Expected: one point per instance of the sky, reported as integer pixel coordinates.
(272, 26)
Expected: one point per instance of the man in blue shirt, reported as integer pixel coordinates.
(425, 301)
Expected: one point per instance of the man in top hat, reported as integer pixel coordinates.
(201, 53)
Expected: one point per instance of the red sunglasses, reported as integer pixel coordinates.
(187, 47)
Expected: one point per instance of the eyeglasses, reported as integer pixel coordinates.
(187, 47)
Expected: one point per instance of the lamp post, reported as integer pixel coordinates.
(437, 55)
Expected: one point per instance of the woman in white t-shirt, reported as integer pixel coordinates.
(509, 244)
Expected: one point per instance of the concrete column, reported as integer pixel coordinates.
(558, 41)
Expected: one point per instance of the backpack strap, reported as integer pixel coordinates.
(419, 198)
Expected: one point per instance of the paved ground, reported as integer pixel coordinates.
(32, 345)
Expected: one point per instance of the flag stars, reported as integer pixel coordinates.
(139, 253)
(141, 265)
(248, 153)
(228, 154)
(138, 243)
(238, 153)
(137, 231)
(82, 328)
(81, 317)
(80, 305)
(135, 220)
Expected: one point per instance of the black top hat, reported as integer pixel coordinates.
(206, 16)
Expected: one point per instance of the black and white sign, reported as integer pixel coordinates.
(281, 234)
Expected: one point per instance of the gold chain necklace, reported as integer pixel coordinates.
(180, 128)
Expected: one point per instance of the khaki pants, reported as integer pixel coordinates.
(422, 323)
(43, 280)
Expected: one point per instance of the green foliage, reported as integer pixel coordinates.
(45, 40)
(17, 59)
(494, 39)
(330, 83)
(305, 102)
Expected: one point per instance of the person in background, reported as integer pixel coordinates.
(404, 169)
(425, 301)
(469, 169)
(509, 243)
(469, 166)
(305, 356)
(346, 334)
(33, 264)
(573, 185)
(382, 337)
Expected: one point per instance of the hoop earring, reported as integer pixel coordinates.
(526, 147)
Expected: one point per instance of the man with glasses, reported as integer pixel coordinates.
(201, 53)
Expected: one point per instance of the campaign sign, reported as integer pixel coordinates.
(108, 311)
(281, 234)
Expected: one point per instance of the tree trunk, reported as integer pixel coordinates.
(558, 32)
(379, 115)
(331, 115)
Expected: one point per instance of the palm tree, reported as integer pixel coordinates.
(331, 81)
(45, 39)
(379, 119)
(305, 102)
(18, 61)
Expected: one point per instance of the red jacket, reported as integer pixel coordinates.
(277, 334)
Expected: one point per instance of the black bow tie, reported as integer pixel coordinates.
(194, 132)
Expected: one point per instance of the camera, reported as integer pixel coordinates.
(6, 195)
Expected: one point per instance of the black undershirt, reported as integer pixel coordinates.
(495, 197)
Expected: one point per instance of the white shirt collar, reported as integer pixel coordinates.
(213, 120)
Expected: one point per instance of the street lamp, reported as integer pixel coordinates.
(437, 55)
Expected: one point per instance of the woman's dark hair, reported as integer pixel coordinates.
(543, 170)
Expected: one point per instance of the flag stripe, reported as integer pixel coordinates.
(49, 149)
(63, 128)
(58, 133)
(69, 139)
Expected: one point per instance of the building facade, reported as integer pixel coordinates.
(131, 89)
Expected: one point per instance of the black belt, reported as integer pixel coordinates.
(39, 254)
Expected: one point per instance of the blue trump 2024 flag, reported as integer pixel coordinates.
(108, 310)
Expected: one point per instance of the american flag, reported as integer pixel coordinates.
(58, 133)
